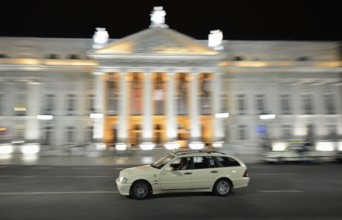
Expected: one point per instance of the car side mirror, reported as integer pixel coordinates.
(169, 168)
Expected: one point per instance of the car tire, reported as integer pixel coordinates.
(280, 160)
(140, 190)
(222, 187)
(318, 160)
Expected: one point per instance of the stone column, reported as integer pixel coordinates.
(147, 113)
(195, 125)
(171, 118)
(99, 106)
(123, 110)
(33, 107)
(217, 110)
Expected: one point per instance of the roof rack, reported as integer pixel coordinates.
(197, 151)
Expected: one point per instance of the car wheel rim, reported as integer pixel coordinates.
(223, 187)
(140, 190)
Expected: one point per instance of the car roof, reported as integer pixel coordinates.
(181, 153)
(197, 152)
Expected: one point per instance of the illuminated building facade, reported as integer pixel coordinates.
(161, 88)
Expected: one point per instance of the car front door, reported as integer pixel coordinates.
(173, 179)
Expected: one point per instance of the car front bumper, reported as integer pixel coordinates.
(123, 187)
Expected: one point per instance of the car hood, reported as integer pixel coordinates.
(138, 170)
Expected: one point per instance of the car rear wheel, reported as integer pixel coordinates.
(140, 190)
(222, 187)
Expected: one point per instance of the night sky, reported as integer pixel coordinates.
(238, 20)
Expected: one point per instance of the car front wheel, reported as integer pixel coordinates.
(140, 190)
(222, 187)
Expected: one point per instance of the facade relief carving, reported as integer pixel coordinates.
(157, 44)
(157, 63)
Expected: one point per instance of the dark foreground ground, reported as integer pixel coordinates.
(290, 191)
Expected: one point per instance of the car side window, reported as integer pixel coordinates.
(203, 162)
(182, 163)
(227, 162)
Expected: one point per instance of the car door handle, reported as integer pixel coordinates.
(187, 173)
(214, 171)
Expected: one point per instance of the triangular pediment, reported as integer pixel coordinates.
(161, 41)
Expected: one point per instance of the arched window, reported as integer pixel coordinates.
(2, 56)
(238, 58)
(52, 56)
(74, 57)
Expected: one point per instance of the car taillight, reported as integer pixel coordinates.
(246, 174)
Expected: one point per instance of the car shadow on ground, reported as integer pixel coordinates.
(188, 194)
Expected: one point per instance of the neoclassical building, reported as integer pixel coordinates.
(161, 88)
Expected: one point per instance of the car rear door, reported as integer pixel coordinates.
(205, 172)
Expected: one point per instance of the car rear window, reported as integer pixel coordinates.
(227, 162)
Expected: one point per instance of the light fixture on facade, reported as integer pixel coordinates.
(33, 82)
(96, 115)
(218, 144)
(31, 148)
(196, 145)
(121, 146)
(100, 146)
(147, 160)
(6, 149)
(147, 146)
(324, 146)
(18, 142)
(267, 116)
(44, 117)
(19, 109)
(97, 73)
(171, 145)
(222, 115)
(279, 146)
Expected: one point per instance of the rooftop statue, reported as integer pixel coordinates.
(100, 37)
(158, 18)
(215, 40)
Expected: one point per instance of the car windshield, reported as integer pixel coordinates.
(162, 161)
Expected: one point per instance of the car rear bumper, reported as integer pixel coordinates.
(243, 182)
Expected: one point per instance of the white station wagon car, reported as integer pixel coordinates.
(297, 153)
(192, 171)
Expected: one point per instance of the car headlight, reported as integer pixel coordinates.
(122, 179)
